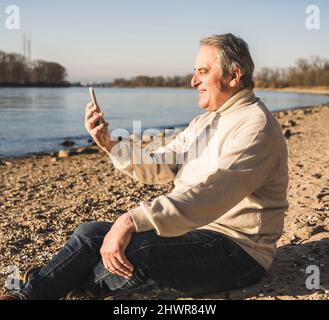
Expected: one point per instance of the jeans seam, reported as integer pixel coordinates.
(168, 244)
(182, 260)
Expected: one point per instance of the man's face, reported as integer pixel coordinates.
(207, 79)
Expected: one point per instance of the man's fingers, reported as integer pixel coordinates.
(108, 265)
(124, 261)
(120, 269)
(99, 117)
(90, 112)
(89, 105)
(98, 129)
(121, 266)
(113, 267)
(113, 264)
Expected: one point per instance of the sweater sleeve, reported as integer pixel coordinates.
(243, 166)
(159, 167)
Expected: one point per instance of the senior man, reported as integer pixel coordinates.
(218, 228)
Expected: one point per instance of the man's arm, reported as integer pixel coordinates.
(160, 167)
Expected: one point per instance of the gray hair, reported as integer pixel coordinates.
(233, 52)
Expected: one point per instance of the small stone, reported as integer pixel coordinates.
(295, 239)
(292, 123)
(68, 143)
(287, 133)
(64, 154)
(308, 111)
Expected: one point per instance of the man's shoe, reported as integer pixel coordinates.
(8, 298)
(28, 275)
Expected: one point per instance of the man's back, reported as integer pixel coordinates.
(256, 222)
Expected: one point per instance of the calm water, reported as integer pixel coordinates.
(36, 120)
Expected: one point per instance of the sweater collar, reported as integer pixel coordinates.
(241, 99)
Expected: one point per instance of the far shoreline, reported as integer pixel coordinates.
(306, 90)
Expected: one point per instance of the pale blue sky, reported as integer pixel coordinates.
(100, 40)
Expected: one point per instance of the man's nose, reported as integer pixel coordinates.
(195, 81)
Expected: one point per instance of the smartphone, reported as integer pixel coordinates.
(94, 100)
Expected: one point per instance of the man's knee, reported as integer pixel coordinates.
(92, 230)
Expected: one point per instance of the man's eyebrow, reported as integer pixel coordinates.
(200, 68)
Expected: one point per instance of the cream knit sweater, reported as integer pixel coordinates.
(230, 173)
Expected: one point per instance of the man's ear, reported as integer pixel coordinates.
(235, 78)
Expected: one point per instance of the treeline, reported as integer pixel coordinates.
(306, 73)
(160, 81)
(15, 69)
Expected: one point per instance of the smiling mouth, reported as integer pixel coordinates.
(202, 91)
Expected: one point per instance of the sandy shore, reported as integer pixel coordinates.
(44, 198)
(313, 90)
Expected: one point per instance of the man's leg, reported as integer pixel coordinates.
(200, 261)
(71, 267)
(197, 262)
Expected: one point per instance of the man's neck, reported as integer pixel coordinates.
(230, 93)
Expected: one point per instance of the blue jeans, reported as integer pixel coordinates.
(197, 262)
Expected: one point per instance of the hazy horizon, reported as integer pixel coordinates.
(103, 40)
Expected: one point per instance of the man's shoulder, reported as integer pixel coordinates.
(258, 114)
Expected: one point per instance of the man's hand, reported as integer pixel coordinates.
(99, 133)
(115, 244)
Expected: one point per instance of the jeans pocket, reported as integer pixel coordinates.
(113, 281)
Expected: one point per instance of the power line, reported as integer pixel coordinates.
(27, 45)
